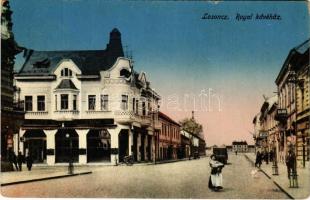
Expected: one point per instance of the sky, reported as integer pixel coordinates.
(219, 68)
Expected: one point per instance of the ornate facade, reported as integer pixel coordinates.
(88, 106)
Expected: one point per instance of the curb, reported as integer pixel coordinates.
(172, 161)
(269, 177)
(46, 178)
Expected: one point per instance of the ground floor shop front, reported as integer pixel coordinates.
(108, 144)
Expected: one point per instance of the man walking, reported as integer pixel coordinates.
(290, 163)
(20, 160)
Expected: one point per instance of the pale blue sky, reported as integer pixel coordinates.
(180, 52)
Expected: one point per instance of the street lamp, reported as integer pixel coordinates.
(275, 169)
(70, 167)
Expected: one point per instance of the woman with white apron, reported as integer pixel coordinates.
(216, 178)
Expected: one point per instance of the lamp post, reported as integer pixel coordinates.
(70, 167)
(275, 169)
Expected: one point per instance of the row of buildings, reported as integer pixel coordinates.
(90, 106)
(283, 121)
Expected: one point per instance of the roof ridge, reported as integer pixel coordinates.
(302, 44)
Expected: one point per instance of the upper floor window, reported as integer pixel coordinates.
(64, 101)
(41, 103)
(91, 102)
(143, 109)
(66, 72)
(104, 102)
(137, 106)
(28, 103)
(74, 102)
(133, 104)
(124, 103)
(124, 73)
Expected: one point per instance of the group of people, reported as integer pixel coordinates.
(264, 156)
(18, 160)
(290, 160)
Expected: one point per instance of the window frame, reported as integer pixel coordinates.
(124, 102)
(41, 103)
(91, 97)
(30, 103)
(104, 102)
(63, 102)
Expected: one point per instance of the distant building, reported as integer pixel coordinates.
(240, 146)
(169, 137)
(191, 143)
(251, 148)
(229, 147)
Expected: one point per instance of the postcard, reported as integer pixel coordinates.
(155, 99)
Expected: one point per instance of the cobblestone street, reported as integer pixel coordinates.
(185, 179)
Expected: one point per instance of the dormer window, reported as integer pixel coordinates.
(66, 72)
(124, 73)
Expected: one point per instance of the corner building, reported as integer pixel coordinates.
(89, 106)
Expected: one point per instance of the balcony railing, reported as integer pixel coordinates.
(36, 113)
(73, 112)
(130, 116)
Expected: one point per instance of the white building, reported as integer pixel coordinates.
(240, 146)
(89, 106)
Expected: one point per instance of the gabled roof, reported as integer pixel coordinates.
(45, 62)
(66, 84)
(293, 55)
(167, 118)
(90, 62)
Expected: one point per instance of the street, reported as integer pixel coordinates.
(184, 179)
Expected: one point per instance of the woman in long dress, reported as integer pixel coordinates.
(216, 178)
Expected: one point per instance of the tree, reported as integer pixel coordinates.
(190, 125)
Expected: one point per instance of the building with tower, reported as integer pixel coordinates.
(89, 106)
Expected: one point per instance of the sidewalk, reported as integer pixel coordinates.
(44, 172)
(38, 174)
(282, 181)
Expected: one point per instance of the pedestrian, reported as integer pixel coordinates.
(236, 152)
(290, 163)
(258, 160)
(216, 178)
(20, 160)
(271, 154)
(13, 159)
(266, 157)
(29, 161)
